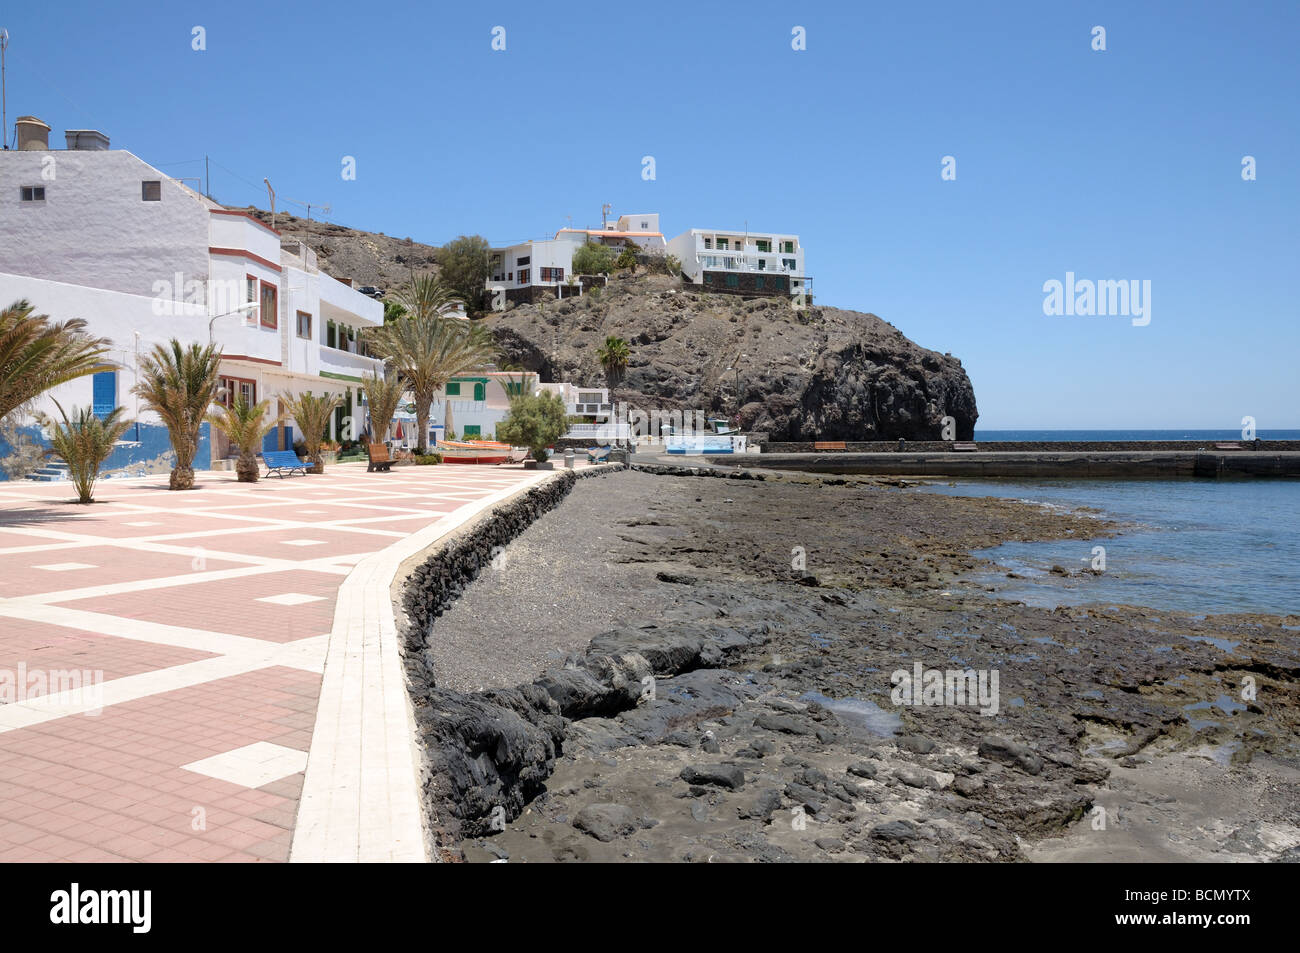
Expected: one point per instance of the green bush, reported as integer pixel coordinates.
(535, 422)
(593, 259)
(427, 459)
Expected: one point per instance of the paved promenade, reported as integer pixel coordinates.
(173, 665)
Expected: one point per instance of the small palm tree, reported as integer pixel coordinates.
(383, 394)
(179, 383)
(37, 354)
(613, 355)
(313, 416)
(427, 348)
(246, 425)
(84, 443)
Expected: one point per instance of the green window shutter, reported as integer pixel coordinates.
(733, 281)
(453, 389)
(480, 391)
(472, 430)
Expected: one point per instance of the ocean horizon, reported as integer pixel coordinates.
(1068, 436)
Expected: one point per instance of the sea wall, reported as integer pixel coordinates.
(1031, 446)
(144, 449)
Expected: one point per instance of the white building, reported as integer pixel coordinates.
(742, 262)
(100, 234)
(520, 271)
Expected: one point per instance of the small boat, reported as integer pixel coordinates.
(476, 451)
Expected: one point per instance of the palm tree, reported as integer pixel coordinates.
(37, 354)
(613, 355)
(84, 443)
(383, 394)
(246, 425)
(426, 347)
(313, 416)
(179, 383)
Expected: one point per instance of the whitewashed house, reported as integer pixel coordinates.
(521, 272)
(97, 233)
(742, 262)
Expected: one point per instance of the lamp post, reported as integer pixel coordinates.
(137, 384)
(249, 306)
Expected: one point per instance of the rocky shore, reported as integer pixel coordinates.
(669, 668)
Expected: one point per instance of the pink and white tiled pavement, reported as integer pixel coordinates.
(162, 658)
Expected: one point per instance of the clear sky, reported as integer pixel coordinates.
(1118, 165)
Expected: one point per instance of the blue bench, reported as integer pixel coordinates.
(279, 461)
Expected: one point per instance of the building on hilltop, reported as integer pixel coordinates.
(97, 233)
(759, 264)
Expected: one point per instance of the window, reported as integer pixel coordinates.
(764, 244)
(104, 394)
(645, 226)
(708, 243)
(250, 297)
(151, 190)
(762, 264)
(236, 388)
(733, 281)
(787, 247)
(789, 263)
(33, 193)
(269, 306)
(523, 277)
(304, 325)
(722, 244)
(523, 261)
(552, 274)
(473, 430)
(453, 388)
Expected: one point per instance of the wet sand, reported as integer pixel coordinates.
(782, 741)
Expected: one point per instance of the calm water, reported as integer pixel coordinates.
(1088, 435)
(1203, 546)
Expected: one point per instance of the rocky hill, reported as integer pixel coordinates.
(368, 258)
(819, 373)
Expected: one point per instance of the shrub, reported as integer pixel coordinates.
(535, 422)
(427, 459)
(593, 259)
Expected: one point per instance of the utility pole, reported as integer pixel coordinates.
(271, 192)
(4, 94)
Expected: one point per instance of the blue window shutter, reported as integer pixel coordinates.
(105, 393)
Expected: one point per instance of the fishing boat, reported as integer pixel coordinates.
(477, 451)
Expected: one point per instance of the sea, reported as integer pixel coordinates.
(1089, 435)
(1199, 546)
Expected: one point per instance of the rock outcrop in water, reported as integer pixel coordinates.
(817, 373)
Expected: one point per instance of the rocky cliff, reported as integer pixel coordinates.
(818, 373)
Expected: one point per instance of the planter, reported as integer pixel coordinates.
(536, 465)
(329, 456)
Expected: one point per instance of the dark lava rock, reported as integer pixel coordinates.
(862, 769)
(895, 831)
(780, 723)
(678, 578)
(722, 775)
(1010, 752)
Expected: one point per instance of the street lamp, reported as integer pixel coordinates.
(249, 306)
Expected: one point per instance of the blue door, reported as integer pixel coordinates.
(105, 393)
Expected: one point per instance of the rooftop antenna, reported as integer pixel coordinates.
(309, 206)
(4, 98)
(271, 192)
(604, 211)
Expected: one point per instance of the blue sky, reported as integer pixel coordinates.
(1122, 164)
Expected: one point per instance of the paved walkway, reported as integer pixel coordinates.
(169, 661)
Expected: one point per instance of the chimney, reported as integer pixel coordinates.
(86, 140)
(33, 135)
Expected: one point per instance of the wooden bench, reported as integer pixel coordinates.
(965, 447)
(280, 461)
(380, 461)
(819, 445)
